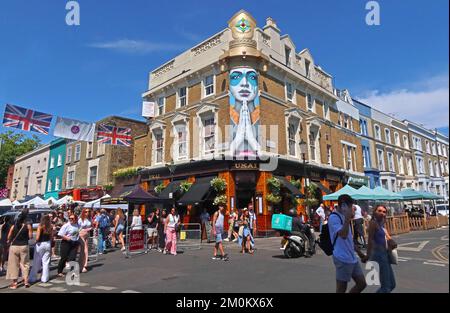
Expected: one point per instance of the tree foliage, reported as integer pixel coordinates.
(13, 145)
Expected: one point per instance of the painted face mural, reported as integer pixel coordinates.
(244, 111)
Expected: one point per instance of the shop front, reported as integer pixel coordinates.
(83, 194)
(245, 183)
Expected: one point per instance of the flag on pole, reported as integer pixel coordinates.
(26, 119)
(73, 129)
(113, 135)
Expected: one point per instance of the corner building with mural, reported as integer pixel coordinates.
(245, 105)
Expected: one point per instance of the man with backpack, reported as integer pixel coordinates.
(102, 222)
(336, 239)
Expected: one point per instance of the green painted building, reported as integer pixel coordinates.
(55, 171)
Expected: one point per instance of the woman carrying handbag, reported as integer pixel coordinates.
(379, 249)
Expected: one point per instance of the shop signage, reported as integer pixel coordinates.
(245, 166)
(91, 194)
(136, 240)
(315, 174)
(355, 180)
(155, 176)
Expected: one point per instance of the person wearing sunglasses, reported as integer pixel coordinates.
(70, 234)
(378, 247)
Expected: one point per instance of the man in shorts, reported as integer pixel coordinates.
(344, 256)
(218, 228)
(152, 231)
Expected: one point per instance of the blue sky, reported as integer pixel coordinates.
(101, 67)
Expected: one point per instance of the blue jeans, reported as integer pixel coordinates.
(387, 278)
(101, 241)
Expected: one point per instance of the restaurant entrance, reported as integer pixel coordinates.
(245, 188)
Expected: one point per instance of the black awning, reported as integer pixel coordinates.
(322, 187)
(140, 196)
(172, 187)
(198, 191)
(287, 184)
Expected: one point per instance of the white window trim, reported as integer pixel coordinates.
(70, 169)
(154, 144)
(405, 142)
(289, 117)
(294, 91)
(201, 115)
(397, 140)
(204, 95)
(182, 120)
(69, 154)
(179, 98)
(57, 186)
(317, 156)
(391, 162)
(89, 147)
(330, 158)
(375, 126)
(49, 185)
(326, 114)
(59, 160)
(387, 135)
(313, 101)
(383, 165)
(157, 105)
(52, 162)
(75, 153)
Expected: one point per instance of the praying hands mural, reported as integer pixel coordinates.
(244, 111)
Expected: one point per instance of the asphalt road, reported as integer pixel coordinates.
(423, 267)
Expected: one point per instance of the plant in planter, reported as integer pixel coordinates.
(219, 184)
(221, 199)
(159, 188)
(127, 172)
(310, 200)
(185, 185)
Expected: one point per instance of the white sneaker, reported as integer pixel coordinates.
(67, 266)
(235, 239)
(165, 252)
(226, 239)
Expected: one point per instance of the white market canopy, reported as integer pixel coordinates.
(63, 200)
(15, 202)
(5, 202)
(37, 202)
(53, 201)
(95, 204)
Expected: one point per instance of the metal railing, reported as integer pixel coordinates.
(190, 236)
(92, 250)
(136, 241)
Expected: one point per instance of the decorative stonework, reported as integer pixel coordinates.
(207, 45)
(321, 79)
(265, 39)
(164, 69)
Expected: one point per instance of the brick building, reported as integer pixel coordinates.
(240, 97)
(89, 166)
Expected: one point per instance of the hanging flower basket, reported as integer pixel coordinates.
(159, 188)
(222, 199)
(274, 185)
(274, 199)
(185, 186)
(219, 184)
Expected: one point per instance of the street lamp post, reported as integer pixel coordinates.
(303, 150)
(171, 166)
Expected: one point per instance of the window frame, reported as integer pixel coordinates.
(78, 145)
(160, 104)
(69, 154)
(212, 85)
(52, 162)
(377, 131)
(310, 99)
(91, 176)
(184, 97)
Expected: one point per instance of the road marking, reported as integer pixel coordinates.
(130, 291)
(56, 281)
(444, 238)
(107, 288)
(45, 285)
(415, 249)
(402, 260)
(435, 264)
(58, 289)
(77, 292)
(438, 255)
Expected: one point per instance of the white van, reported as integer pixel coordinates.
(442, 209)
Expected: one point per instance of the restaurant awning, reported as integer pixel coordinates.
(140, 196)
(322, 187)
(172, 187)
(198, 191)
(288, 185)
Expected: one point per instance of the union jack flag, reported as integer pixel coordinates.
(26, 119)
(113, 135)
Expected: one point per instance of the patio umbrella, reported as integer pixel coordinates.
(346, 190)
(384, 194)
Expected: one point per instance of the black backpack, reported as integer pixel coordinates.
(325, 239)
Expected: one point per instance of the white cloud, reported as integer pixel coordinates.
(424, 102)
(136, 46)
